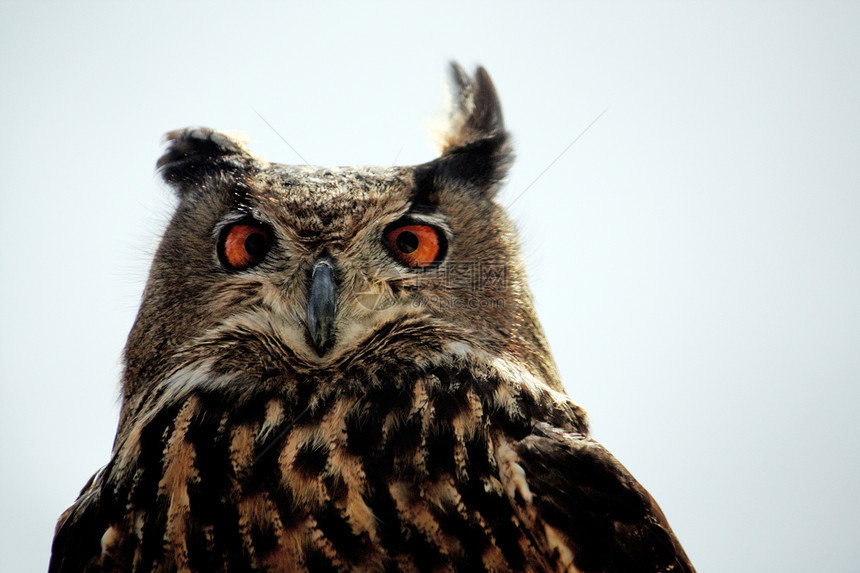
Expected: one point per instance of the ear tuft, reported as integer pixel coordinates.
(475, 146)
(196, 151)
(475, 109)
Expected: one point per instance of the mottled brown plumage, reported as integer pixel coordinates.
(341, 370)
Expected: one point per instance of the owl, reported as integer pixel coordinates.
(341, 369)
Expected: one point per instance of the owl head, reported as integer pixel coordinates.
(268, 268)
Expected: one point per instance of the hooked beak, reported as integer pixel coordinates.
(322, 300)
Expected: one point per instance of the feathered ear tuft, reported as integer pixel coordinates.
(195, 152)
(475, 109)
(475, 146)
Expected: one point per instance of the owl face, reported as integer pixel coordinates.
(303, 268)
(321, 258)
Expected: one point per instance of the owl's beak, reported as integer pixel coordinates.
(322, 302)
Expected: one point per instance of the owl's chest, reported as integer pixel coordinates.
(413, 485)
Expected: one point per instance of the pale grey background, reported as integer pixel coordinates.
(694, 255)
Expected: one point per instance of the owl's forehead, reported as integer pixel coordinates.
(320, 199)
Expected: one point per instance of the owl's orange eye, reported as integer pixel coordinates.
(416, 245)
(244, 245)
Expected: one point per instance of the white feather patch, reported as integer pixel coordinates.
(513, 474)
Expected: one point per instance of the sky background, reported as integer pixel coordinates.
(695, 255)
